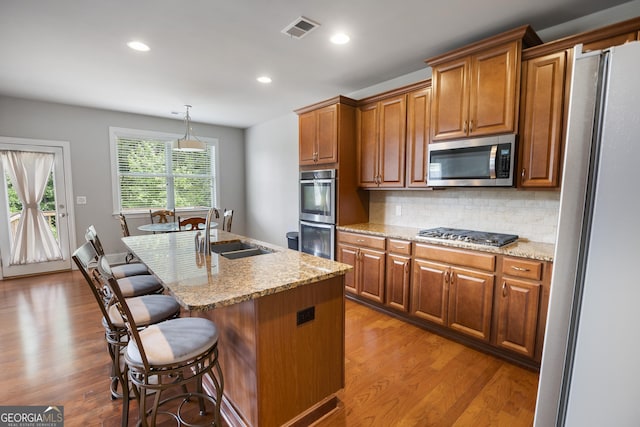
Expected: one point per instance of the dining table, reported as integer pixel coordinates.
(169, 227)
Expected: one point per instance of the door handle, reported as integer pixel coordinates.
(62, 215)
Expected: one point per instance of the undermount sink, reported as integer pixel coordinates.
(237, 249)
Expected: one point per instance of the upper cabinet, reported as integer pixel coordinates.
(392, 134)
(541, 124)
(476, 88)
(418, 134)
(546, 75)
(322, 128)
(381, 142)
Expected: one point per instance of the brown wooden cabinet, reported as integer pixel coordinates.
(520, 310)
(542, 119)
(545, 96)
(381, 143)
(454, 288)
(366, 254)
(476, 88)
(322, 128)
(318, 136)
(398, 274)
(418, 135)
(476, 95)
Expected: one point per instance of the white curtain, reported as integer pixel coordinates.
(29, 173)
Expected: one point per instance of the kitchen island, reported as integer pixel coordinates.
(281, 321)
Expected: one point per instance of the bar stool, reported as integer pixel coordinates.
(119, 271)
(172, 353)
(146, 310)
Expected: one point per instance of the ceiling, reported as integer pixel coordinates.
(208, 53)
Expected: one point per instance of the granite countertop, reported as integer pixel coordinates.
(201, 282)
(522, 248)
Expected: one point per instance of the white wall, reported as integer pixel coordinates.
(87, 130)
(272, 179)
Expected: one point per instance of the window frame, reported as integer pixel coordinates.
(117, 132)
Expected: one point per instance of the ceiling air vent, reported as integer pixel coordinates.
(300, 27)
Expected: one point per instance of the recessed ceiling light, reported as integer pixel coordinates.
(264, 79)
(139, 46)
(340, 38)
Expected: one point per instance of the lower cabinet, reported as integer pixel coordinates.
(522, 305)
(398, 274)
(366, 254)
(498, 301)
(453, 296)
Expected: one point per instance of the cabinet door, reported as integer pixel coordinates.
(518, 316)
(371, 272)
(418, 134)
(368, 145)
(430, 291)
(493, 90)
(327, 134)
(307, 138)
(348, 255)
(392, 141)
(542, 121)
(397, 283)
(450, 108)
(470, 303)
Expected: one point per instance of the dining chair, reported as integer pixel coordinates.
(192, 223)
(162, 216)
(121, 270)
(227, 217)
(146, 310)
(172, 353)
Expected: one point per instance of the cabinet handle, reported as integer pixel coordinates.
(519, 268)
(523, 172)
(360, 241)
(504, 289)
(464, 127)
(446, 277)
(399, 247)
(470, 125)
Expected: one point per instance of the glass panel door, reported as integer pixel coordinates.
(52, 206)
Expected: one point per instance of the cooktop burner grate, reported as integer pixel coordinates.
(470, 236)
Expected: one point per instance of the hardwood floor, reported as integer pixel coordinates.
(53, 353)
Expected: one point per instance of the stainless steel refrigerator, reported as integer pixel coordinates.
(590, 371)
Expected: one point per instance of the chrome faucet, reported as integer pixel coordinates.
(205, 247)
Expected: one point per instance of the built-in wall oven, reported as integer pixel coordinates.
(318, 212)
(317, 239)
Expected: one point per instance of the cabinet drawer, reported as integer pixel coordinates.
(525, 268)
(456, 256)
(400, 247)
(361, 240)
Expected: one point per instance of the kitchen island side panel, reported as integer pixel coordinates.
(276, 370)
(299, 365)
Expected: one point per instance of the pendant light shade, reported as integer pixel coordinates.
(189, 142)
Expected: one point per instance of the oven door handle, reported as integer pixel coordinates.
(492, 161)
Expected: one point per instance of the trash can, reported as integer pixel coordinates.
(292, 238)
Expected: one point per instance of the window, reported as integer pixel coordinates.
(149, 174)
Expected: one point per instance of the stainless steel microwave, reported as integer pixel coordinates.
(478, 162)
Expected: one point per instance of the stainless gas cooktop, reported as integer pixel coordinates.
(470, 236)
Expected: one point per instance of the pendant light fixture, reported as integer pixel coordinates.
(189, 142)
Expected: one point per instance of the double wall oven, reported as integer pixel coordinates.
(318, 212)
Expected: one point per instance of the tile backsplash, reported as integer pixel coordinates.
(529, 214)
